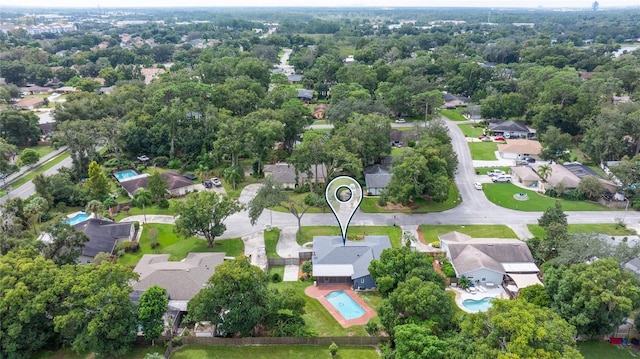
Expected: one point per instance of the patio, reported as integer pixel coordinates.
(319, 293)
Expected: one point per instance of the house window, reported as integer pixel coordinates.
(484, 279)
(361, 280)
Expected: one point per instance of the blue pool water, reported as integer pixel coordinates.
(78, 218)
(345, 305)
(478, 305)
(123, 175)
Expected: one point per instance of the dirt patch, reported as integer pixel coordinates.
(395, 207)
(300, 272)
(421, 235)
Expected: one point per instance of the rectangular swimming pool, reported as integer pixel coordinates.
(348, 307)
(124, 175)
(78, 218)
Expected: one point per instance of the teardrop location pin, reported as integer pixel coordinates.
(344, 195)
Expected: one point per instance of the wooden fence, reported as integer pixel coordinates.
(283, 261)
(355, 341)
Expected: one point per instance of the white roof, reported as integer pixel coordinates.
(525, 280)
(520, 267)
(333, 270)
(179, 304)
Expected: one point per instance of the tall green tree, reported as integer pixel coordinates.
(395, 265)
(516, 329)
(415, 342)
(151, 309)
(142, 198)
(555, 145)
(203, 214)
(65, 245)
(7, 151)
(36, 207)
(157, 186)
(81, 137)
(19, 128)
(29, 156)
(95, 207)
(236, 297)
(595, 298)
(97, 183)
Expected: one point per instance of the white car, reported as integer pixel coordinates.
(477, 185)
(400, 120)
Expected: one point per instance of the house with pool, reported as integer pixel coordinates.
(348, 263)
(491, 262)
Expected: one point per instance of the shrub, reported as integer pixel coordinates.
(61, 206)
(307, 268)
(435, 244)
(136, 224)
(275, 278)
(448, 270)
(176, 341)
(333, 349)
(174, 164)
(161, 161)
(133, 247)
(382, 201)
(411, 143)
(141, 168)
(302, 189)
(372, 328)
(186, 333)
(303, 278)
(164, 204)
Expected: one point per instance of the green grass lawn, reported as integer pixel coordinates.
(271, 241)
(369, 204)
(276, 269)
(609, 229)
(431, 232)
(42, 150)
(454, 115)
(269, 352)
(600, 350)
(484, 170)
(321, 122)
(30, 175)
(317, 317)
(471, 131)
(502, 195)
(398, 151)
(309, 232)
(177, 247)
(138, 352)
(135, 211)
(483, 151)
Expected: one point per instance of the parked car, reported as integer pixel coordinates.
(216, 182)
(191, 176)
(482, 137)
(495, 173)
(207, 183)
(529, 159)
(502, 178)
(499, 138)
(477, 185)
(400, 120)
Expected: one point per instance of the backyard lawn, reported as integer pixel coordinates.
(271, 241)
(431, 232)
(268, 352)
(502, 195)
(178, 248)
(600, 350)
(471, 131)
(610, 229)
(309, 232)
(454, 115)
(483, 151)
(137, 352)
(317, 317)
(42, 150)
(370, 204)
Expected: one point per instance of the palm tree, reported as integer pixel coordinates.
(233, 174)
(95, 207)
(544, 171)
(143, 198)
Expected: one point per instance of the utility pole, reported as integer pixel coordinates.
(426, 114)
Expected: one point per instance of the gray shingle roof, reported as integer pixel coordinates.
(103, 235)
(286, 173)
(329, 251)
(305, 94)
(183, 279)
(508, 126)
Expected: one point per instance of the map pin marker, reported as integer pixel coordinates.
(344, 195)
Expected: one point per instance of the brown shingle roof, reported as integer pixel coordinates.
(30, 101)
(520, 146)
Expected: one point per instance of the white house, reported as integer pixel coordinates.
(517, 149)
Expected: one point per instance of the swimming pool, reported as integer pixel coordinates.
(124, 175)
(478, 305)
(78, 218)
(348, 307)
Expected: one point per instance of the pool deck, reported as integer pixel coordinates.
(318, 292)
(461, 295)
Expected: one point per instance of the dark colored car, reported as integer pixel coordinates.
(191, 176)
(207, 183)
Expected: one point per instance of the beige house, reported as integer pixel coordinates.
(519, 148)
(526, 175)
(29, 103)
(286, 174)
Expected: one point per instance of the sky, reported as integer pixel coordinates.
(324, 3)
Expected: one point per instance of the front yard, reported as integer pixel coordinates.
(483, 151)
(609, 229)
(272, 351)
(178, 248)
(502, 195)
(370, 205)
(431, 232)
(357, 232)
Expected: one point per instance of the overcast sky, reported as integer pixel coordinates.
(324, 3)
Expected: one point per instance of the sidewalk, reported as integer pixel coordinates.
(25, 169)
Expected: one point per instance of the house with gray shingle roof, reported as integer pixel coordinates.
(103, 236)
(285, 173)
(182, 279)
(376, 178)
(489, 260)
(510, 129)
(348, 263)
(177, 184)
